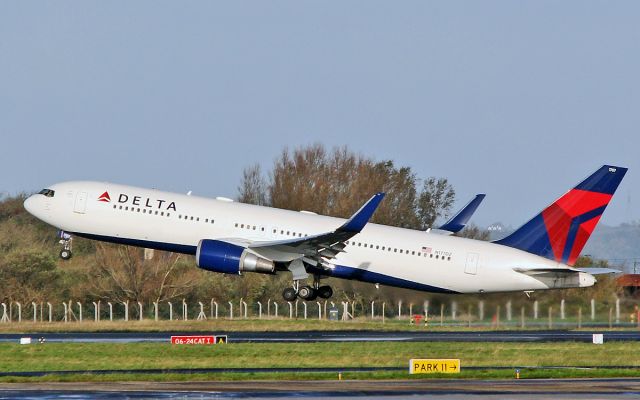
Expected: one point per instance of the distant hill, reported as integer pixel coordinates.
(620, 245)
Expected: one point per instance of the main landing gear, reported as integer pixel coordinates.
(307, 293)
(66, 241)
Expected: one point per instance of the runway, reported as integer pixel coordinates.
(383, 389)
(334, 336)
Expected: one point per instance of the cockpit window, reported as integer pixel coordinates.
(47, 192)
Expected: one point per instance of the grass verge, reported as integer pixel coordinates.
(109, 356)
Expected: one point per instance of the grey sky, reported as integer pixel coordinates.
(520, 100)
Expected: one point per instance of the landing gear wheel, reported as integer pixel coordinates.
(325, 292)
(289, 294)
(65, 254)
(307, 293)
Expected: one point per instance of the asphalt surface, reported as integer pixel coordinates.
(428, 388)
(336, 336)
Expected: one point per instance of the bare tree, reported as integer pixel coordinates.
(473, 231)
(122, 273)
(338, 182)
(253, 188)
(435, 200)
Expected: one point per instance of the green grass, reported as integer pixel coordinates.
(253, 325)
(97, 356)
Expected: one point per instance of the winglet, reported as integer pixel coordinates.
(459, 221)
(363, 215)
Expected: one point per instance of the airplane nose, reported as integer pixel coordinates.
(31, 205)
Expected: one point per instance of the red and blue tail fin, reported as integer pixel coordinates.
(561, 230)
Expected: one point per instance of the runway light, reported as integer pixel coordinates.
(517, 374)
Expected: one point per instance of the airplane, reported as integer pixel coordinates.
(234, 238)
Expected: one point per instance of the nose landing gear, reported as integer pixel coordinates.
(66, 241)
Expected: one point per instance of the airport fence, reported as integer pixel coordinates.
(617, 313)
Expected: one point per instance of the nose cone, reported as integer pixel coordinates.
(30, 206)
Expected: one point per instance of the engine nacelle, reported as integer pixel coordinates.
(219, 256)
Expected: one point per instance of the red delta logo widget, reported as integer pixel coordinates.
(105, 198)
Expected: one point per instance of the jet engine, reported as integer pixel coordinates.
(220, 256)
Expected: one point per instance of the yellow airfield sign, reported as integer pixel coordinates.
(434, 366)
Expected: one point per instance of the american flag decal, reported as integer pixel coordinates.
(426, 249)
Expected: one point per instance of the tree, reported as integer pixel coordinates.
(472, 231)
(121, 273)
(253, 188)
(435, 200)
(338, 182)
(29, 275)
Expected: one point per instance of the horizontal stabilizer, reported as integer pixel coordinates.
(538, 271)
(599, 271)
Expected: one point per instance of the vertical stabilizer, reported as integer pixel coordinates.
(561, 230)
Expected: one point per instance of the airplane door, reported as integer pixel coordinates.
(471, 267)
(80, 205)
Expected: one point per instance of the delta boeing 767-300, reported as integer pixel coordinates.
(235, 238)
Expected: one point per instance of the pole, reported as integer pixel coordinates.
(579, 317)
(383, 304)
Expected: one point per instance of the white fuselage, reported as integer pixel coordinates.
(379, 254)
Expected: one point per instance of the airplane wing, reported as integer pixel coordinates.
(460, 219)
(317, 249)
